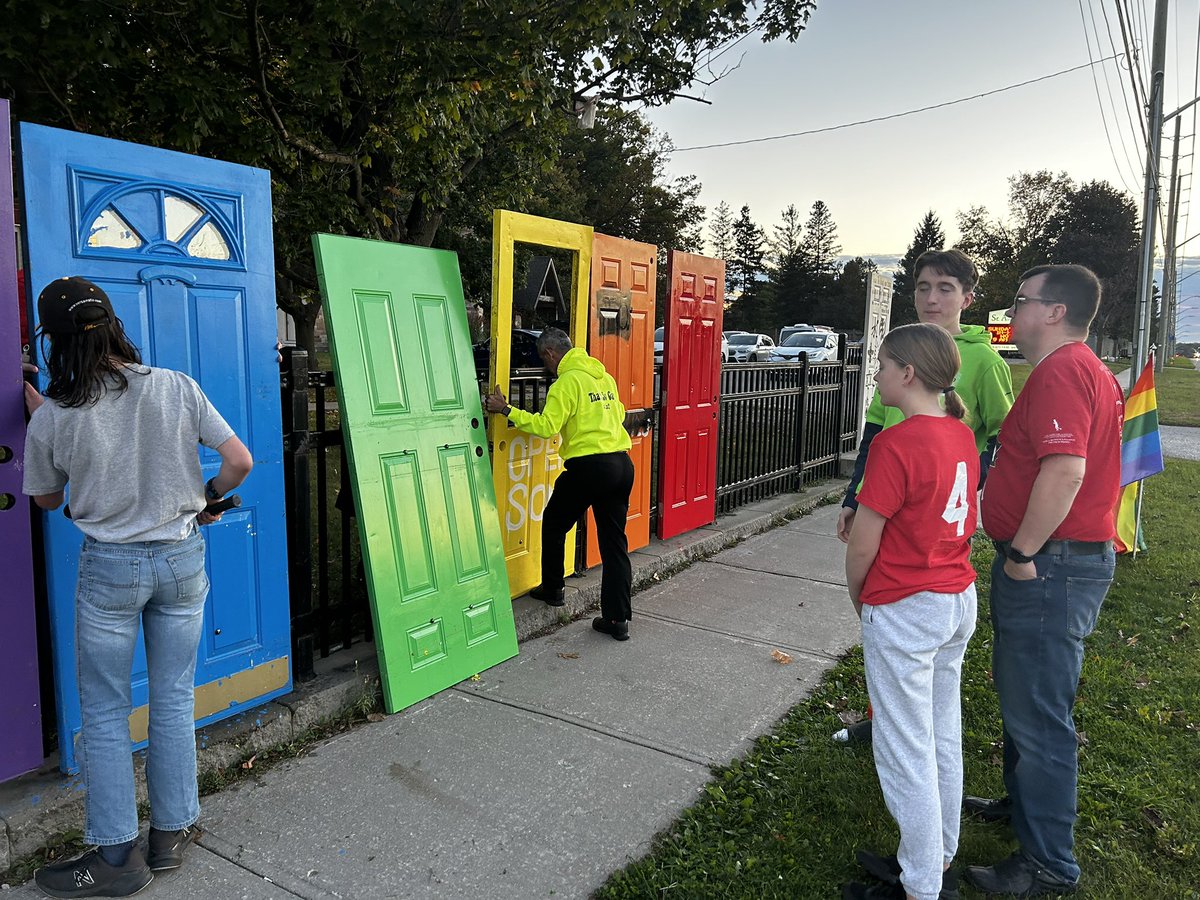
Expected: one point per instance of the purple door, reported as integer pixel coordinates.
(20, 717)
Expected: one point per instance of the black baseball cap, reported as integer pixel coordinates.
(72, 306)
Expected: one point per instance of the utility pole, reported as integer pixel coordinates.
(1141, 342)
(1167, 297)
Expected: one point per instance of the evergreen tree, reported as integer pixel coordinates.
(787, 236)
(748, 251)
(928, 236)
(820, 244)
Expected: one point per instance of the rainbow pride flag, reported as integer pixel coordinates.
(1141, 457)
(1141, 447)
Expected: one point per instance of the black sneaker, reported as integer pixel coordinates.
(1020, 876)
(988, 810)
(164, 849)
(893, 890)
(90, 876)
(549, 597)
(885, 868)
(618, 630)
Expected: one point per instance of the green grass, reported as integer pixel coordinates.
(1177, 389)
(784, 820)
(1180, 362)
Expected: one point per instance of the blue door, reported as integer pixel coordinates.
(20, 713)
(183, 247)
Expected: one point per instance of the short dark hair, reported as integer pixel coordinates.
(951, 263)
(1075, 287)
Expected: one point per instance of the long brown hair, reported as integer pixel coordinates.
(934, 358)
(84, 367)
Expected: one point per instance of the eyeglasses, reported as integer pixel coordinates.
(1019, 301)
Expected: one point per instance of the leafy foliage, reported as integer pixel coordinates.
(373, 117)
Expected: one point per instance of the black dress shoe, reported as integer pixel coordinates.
(617, 630)
(549, 597)
(1018, 876)
(988, 810)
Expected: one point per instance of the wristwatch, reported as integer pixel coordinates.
(1017, 556)
(210, 492)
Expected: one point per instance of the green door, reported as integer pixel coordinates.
(419, 463)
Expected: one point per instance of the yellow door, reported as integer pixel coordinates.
(524, 467)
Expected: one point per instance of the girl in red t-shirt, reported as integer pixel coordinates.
(910, 577)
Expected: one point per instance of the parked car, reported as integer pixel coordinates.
(523, 353)
(788, 330)
(658, 346)
(816, 345)
(747, 347)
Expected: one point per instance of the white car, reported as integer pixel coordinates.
(818, 346)
(747, 347)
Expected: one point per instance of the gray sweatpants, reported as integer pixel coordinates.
(913, 650)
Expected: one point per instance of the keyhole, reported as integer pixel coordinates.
(479, 451)
(474, 423)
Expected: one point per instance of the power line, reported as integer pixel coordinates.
(1139, 99)
(899, 115)
(1100, 103)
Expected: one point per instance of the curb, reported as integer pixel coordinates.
(37, 808)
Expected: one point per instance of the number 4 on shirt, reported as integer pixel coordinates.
(957, 506)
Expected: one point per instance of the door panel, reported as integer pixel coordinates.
(20, 706)
(691, 394)
(182, 245)
(415, 436)
(524, 467)
(621, 335)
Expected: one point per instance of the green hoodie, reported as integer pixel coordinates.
(583, 405)
(984, 384)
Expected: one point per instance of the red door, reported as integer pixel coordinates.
(687, 468)
(621, 335)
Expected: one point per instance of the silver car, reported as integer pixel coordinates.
(747, 347)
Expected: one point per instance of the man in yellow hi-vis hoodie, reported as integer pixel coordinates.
(584, 407)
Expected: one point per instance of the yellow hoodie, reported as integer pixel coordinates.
(583, 405)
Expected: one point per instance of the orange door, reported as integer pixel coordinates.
(621, 335)
(687, 458)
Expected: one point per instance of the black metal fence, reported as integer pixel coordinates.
(781, 425)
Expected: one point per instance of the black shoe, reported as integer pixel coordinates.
(895, 890)
(1018, 876)
(164, 849)
(549, 597)
(90, 876)
(987, 810)
(885, 868)
(618, 630)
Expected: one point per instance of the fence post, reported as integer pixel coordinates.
(294, 384)
(802, 421)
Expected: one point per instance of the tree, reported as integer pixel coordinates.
(720, 239)
(1004, 248)
(748, 252)
(846, 306)
(1097, 226)
(820, 245)
(927, 236)
(373, 117)
(786, 236)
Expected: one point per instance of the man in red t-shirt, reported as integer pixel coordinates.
(1048, 507)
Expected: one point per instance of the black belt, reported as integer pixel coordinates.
(1062, 548)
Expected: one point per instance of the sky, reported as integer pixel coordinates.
(860, 59)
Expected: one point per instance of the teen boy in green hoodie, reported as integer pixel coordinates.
(945, 287)
(584, 407)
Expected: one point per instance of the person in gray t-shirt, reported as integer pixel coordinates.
(124, 437)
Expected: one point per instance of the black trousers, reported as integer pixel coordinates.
(603, 482)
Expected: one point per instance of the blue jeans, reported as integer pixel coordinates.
(162, 585)
(1037, 654)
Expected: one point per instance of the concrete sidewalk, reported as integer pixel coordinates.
(559, 766)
